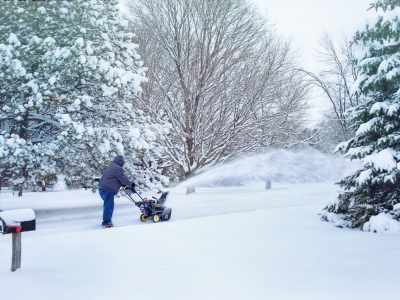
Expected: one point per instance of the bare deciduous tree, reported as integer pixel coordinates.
(220, 75)
(335, 80)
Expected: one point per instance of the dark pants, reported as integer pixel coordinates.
(108, 206)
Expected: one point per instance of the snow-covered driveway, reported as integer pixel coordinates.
(80, 210)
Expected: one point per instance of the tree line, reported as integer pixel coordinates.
(177, 86)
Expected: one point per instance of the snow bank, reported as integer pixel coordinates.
(382, 223)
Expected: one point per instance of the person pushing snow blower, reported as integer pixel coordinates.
(110, 183)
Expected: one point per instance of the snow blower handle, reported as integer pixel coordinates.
(138, 195)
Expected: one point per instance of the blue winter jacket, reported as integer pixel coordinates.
(113, 177)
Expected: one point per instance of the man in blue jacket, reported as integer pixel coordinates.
(110, 183)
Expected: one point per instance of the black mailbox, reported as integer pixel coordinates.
(18, 220)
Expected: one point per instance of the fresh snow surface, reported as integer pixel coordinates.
(221, 243)
(17, 215)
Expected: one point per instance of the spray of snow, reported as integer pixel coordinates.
(279, 166)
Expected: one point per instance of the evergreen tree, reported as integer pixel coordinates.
(374, 189)
(67, 70)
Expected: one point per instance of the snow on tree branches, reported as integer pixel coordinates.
(221, 76)
(374, 190)
(67, 68)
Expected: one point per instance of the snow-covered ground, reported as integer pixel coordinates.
(221, 243)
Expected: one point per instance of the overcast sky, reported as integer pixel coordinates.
(305, 20)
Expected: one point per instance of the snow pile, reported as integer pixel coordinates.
(382, 223)
(279, 166)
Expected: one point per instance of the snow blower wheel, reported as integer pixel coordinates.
(156, 218)
(143, 218)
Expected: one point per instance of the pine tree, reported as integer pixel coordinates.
(67, 70)
(374, 189)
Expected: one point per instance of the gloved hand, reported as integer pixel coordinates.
(133, 186)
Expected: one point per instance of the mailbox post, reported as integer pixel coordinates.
(15, 222)
(190, 189)
(268, 183)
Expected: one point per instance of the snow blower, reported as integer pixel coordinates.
(151, 209)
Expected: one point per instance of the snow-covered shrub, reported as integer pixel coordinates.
(26, 164)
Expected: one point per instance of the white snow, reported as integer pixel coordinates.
(105, 36)
(6, 108)
(82, 59)
(364, 176)
(52, 80)
(355, 87)
(120, 148)
(92, 60)
(13, 39)
(383, 67)
(365, 127)
(382, 223)
(89, 49)
(49, 40)
(382, 161)
(378, 106)
(104, 66)
(393, 108)
(79, 42)
(104, 147)
(221, 242)
(42, 10)
(17, 215)
(392, 73)
(64, 119)
(134, 133)
(142, 144)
